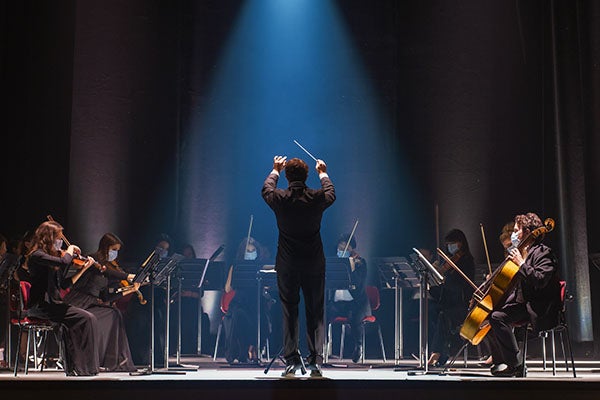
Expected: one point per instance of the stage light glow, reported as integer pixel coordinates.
(288, 71)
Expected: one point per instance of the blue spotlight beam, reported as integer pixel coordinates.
(306, 151)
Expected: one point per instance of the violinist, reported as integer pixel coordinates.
(450, 300)
(93, 290)
(535, 298)
(240, 321)
(48, 265)
(352, 303)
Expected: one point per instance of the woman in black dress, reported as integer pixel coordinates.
(94, 290)
(48, 265)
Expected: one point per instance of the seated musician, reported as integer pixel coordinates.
(535, 297)
(352, 303)
(47, 265)
(92, 289)
(240, 321)
(450, 300)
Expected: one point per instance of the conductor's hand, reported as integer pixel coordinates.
(279, 163)
(321, 166)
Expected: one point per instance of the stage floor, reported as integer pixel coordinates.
(342, 379)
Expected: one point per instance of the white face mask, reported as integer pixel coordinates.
(250, 255)
(58, 244)
(112, 255)
(514, 238)
(452, 248)
(162, 253)
(343, 254)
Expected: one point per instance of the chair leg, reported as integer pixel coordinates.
(18, 352)
(524, 372)
(562, 346)
(329, 343)
(342, 340)
(570, 349)
(466, 356)
(553, 353)
(29, 332)
(364, 343)
(381, 342)
(543, 335)
(217, 341)
(44, 341)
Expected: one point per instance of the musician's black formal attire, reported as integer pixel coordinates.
(450, 307)
(535, 298)
(93, 292)
(79, 328)
(300, 261)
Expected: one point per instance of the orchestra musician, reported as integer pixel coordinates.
(450, 299)
(48, 264)
(352, 303)
(93, 289)
(535, 298)
(240, 321)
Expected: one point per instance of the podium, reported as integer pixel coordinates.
(397, 273)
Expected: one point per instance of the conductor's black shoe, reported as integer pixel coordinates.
(503, 370)
(315, 370)
(290, 370)
(357, 353)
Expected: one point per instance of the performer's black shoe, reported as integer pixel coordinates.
(315, 370)
(504, 370)
(290, 369)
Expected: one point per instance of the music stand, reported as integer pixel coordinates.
(397, 273)
(190, 274)
(246, 275)
(266, 278)
(151, 268)
(426, 273)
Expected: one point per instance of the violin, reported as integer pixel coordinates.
(125, 285)
(495, 289)
(446, 266)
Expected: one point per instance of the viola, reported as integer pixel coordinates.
(495, 289)
(446, 266)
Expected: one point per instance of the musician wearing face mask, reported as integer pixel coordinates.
(48, 265)
(240, 321)
(450, 299)
(94, 291)
(352, 303)
(534, 299)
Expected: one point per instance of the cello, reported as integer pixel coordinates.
(495, 289)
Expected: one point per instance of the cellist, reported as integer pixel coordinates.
(534, 299)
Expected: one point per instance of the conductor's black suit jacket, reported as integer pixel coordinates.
(299, 210)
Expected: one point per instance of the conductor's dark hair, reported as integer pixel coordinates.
(296, 170)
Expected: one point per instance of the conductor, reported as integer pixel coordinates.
(300, 261)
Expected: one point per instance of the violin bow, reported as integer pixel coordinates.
(350, 238)
(487, 255)
(249, 231)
